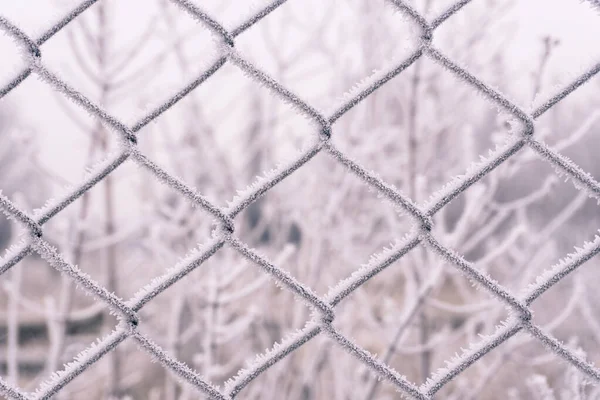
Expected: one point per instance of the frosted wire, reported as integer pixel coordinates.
(323, 306)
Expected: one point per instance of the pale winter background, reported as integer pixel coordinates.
(321, 223)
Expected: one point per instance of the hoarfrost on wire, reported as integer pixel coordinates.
(323, 307)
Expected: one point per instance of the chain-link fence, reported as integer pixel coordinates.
(224, 234)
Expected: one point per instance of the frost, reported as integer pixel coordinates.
(284, 278)
(322, 308)
(179, 185)
(383, 188)
(256, 12)
(375, 365)
(556, 273)
(28, 47)
(180, 369)
(270, 357)
(559, 349)
(376, 264)
(174, 99)
(498, 98)
(478, 277)
(202, 16)
(82, 362)
(265, 182)
(79, 99)
(56, 260)
(361, 90)
(571, 87)
(71, 193)
(14, 254)
(475, 172)
(568, 169)
(195, 258)
(11, 392)
(292, 99)
(459, 363)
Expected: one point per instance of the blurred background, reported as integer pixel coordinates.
(322, 223)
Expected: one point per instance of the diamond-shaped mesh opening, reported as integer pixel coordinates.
(111, 229)
(218, 304)
(521, 217)
(407, 147)
(211, 135)
(434, 312)
(351, 221)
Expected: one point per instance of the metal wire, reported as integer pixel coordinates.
(128, 327)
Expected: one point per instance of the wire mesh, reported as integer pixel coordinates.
(520, 318)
